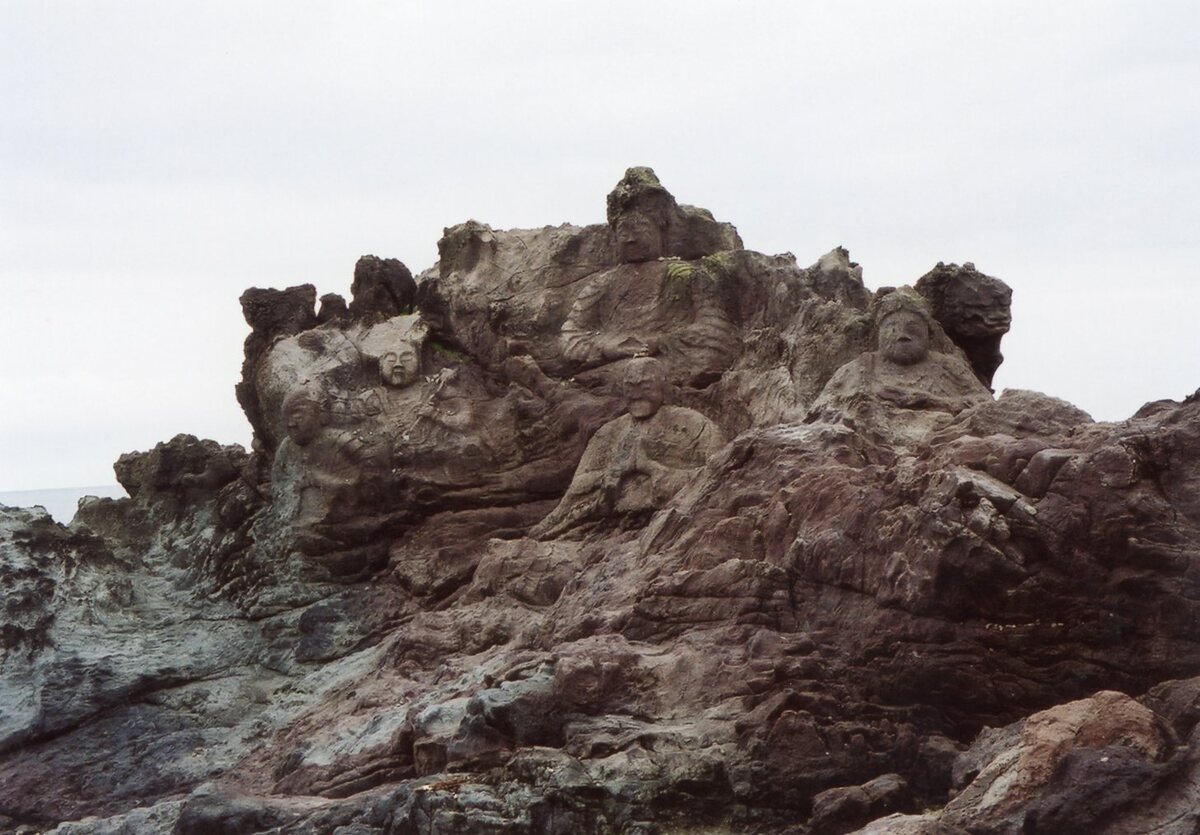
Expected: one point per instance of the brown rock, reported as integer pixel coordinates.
(974, 309)
(1060, 756)
(271, 314)
(622, 529)
(382, 288)
(841, 810)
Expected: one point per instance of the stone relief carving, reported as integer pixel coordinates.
(903, 390)
(460, 577)
(317, 468)
(673, 308)
(639, 461)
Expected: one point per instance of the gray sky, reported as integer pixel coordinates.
(159, 157)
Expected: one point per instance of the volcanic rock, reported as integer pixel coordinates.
(382, 288)
(974, 309)
(619, 528)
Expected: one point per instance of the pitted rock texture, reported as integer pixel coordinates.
(619, 528)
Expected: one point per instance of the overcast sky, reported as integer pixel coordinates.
(159, 157)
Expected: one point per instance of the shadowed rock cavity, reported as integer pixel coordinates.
(619, 528)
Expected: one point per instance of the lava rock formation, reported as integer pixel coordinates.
(619, 528)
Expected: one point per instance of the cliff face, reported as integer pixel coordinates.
(619, 529)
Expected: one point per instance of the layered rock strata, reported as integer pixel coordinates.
(619, 528)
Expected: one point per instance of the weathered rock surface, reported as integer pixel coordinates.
(974, 309)
(619, 529)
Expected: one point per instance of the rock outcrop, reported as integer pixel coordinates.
(974, 310)
(619, 528)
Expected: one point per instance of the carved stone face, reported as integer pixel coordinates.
(401, 367)
(645, 387)
(904, 337)
(639, 237)
(304, 420)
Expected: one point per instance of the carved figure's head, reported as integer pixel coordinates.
(904, 327)
(305, 414)
(639, 237)
(639, 212)
(645, 385)
(401, 367)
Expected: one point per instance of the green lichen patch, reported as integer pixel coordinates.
(452, 354)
